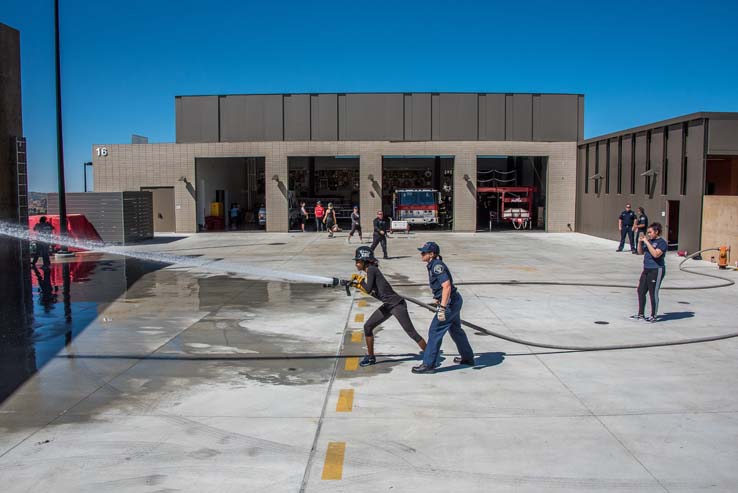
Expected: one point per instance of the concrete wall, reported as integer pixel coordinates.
(130, 167)
(380, 117)
(720, 223)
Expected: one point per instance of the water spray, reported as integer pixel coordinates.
(224, 266)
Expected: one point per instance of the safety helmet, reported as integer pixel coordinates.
(364, 253)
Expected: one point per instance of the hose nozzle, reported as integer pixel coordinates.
(339, 282)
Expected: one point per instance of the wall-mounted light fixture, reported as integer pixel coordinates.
(467, 178)
(651, 172)
(182, 179)
(275, 178)
(597, 176)
(371, 178)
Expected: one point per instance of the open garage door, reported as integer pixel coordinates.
(230, 194)
(511, 192)
(419, 189)
(325, 179)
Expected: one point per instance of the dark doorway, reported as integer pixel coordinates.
(163, 204)
(511, 192)
(672, 223)
(328, 179)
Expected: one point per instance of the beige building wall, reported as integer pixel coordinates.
(128, 167)
(720, 224)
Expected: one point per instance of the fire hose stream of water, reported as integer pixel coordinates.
(258, 273)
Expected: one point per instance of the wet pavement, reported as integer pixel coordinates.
(132, 376)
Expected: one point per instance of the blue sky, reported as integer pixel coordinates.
(123, 62)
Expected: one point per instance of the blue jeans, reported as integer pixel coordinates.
(452, 325)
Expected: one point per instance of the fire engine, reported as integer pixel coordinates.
(416, 205)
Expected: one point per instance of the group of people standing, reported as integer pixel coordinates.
(633, 225)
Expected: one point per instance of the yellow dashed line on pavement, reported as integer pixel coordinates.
(362, 304)
(351, 364)
(359, 318)
(345, 401)
(356, 335)
(333, 466)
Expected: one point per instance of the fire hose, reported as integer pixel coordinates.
(726, 282)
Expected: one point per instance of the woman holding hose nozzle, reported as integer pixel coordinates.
(393, 304)
(653, 247)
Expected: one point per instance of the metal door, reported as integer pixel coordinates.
(163, 201)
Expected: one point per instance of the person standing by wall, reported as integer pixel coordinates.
(319, 212)
(625, 223)
(653, 247)
(355, 226)
(448, 315)
(234, 213)
(380, 233)
(303, 216)
(375, 284)
(641, 224)
(45, 228)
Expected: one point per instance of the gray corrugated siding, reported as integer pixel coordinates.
(380, 117)
(118, 217)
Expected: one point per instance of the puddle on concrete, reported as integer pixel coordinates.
(62, 301)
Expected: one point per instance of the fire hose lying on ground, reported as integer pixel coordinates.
(726, 282)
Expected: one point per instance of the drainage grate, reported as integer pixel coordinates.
(601, 322)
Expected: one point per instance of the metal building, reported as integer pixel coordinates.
(682, 171)
(354, 149)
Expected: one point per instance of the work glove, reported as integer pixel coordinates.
(356, 282)
(441, 314)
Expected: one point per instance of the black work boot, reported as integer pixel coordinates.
(368, 361)
(423, 369)
(463, 361)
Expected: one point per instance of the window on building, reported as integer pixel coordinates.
(597, 168)
(648, 162)
(607, 167)
(620, 165)
(632, 164)
(586, 168)
(685, 134)
(665, 163)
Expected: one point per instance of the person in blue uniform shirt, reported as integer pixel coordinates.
(448, 314)
(641, 224)
(625, 222)
(653, 247)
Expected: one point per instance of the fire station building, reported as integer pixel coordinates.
(481, 153)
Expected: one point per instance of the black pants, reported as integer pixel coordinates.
(42, 250)
(629, 231)
(319, 226)
(399, 312)
(354, 228)
(380, 240)
(650, 282)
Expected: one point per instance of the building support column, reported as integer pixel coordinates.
(465, 192)
(277, 180)
(561, 190)
(370, 190)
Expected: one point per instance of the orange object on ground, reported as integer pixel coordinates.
(78, 227)
(723, 257)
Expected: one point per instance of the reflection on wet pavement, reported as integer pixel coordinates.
(65, 298)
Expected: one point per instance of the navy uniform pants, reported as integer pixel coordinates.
(452, 325)
(627, 230)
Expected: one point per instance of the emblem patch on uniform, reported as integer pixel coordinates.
(438, 269)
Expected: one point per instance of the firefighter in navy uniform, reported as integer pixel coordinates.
(393, 305)
(380, 233)
(625, 222)
(448, 315)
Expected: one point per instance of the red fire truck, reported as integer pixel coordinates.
(416, 205)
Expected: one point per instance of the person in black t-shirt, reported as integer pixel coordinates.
(393, 305)
(380, 233)
(654, 248)
(625, 222)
